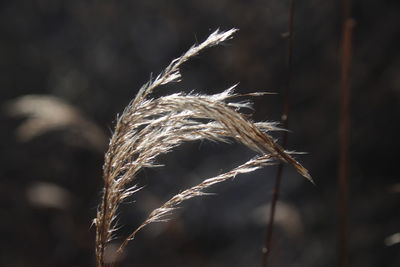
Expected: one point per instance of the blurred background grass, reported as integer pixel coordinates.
(86, 59)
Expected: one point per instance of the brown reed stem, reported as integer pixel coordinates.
(285, 122)
(344, 132)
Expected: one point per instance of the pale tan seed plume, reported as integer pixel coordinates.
(150, 127)
(161, 214)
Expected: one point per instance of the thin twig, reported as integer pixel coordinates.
(344, 132)
(285, 121)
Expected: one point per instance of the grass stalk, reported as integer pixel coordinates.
(285, 122)
(344, 132)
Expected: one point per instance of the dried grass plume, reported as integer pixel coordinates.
(150, 127)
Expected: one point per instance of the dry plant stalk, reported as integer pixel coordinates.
(150, 127)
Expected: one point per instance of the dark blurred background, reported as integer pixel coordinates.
(68, 67)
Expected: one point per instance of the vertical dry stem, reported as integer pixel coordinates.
(285, 121)
(344, 133)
